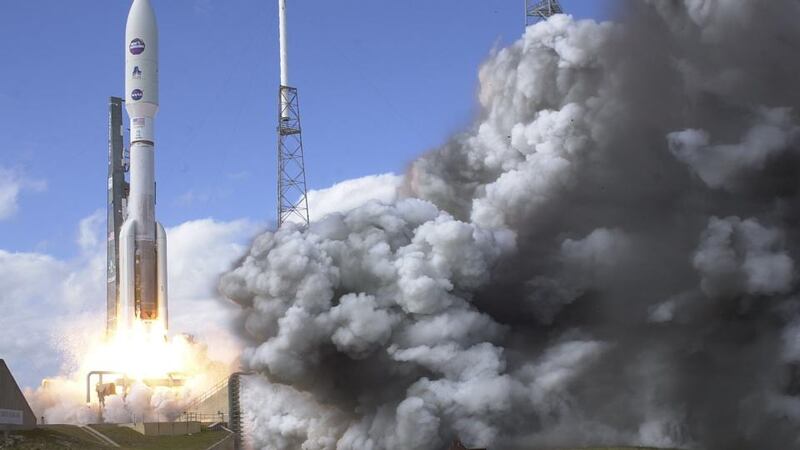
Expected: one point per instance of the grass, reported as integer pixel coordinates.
(76, 432)
(130, 439)
(61, 437)
(56, 438)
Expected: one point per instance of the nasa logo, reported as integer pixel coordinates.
(137, 94)
(137, 46)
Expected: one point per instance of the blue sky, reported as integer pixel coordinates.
(380, 82)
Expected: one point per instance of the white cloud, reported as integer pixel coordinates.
(198, 252)
(91, 231)
(32, 308)
(12, 183)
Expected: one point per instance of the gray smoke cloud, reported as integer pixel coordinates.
(606, 257)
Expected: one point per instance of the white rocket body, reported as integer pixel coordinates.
(143, 245)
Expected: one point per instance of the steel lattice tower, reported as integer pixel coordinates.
(235, 413)
(538, 10)
(292, 198)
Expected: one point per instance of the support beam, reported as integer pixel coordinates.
(539, 10)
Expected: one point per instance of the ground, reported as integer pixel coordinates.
(70, 437)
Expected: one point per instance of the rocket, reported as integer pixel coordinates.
(143, 241)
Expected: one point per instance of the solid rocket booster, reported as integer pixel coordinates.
(143, 244)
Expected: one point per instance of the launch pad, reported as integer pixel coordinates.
(122, 384)
(103, 390)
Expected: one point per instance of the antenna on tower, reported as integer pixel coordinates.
(539, 10)
(292, 198)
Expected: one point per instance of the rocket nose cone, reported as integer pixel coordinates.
(141, 14)
(142, 30)
(142, 4)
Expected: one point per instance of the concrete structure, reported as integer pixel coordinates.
(225, 444)
(164, 428)
(15, 413)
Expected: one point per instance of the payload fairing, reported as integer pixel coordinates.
(142, 240)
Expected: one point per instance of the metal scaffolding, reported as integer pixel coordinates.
(538, 10)
(118, 189)
(292, 199)
(235, 411)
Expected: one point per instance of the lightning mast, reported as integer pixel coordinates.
(292, 199)
(539, 10)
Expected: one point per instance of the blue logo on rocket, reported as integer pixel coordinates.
(137, 94)
(137, 47)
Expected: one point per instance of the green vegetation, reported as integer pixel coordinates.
(53, 438)
(130, 439)
(62, 437)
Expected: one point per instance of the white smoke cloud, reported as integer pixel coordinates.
(598, 255)
(715, 19)
(556, 275)
(290, 418)
(738, 256)
(720, 166)
(350, 194)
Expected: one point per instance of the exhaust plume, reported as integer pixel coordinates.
(606, 257)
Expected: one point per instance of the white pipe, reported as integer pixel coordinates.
(283, 43)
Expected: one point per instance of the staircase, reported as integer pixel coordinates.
(220, 385)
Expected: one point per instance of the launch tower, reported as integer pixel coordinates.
(538, 10)
(118, 189)
(292, 199)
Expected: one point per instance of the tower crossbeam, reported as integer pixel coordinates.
(539, 10)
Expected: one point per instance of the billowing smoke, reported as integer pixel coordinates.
(606, 257)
